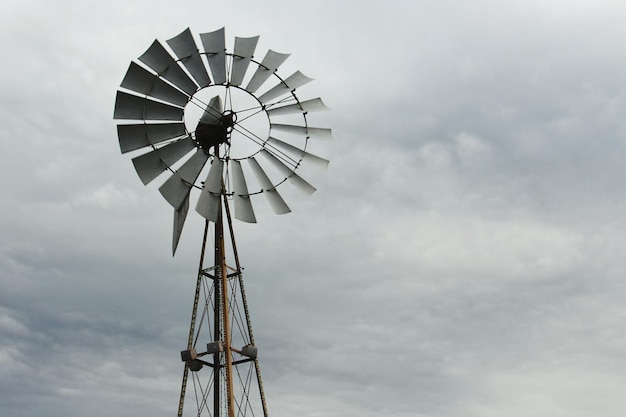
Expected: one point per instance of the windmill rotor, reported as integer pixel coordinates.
(197, 115)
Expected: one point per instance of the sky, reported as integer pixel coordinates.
(462, 257)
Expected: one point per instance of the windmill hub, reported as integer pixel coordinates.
(247, 124)
(209, 135)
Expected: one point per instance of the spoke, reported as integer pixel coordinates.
(253, 109)
(248, 134)
(284, 100)
(278, 153)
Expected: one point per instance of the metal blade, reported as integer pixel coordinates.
(215, 46)
(268, 66)
(312, 132)
(213, 112)
(295, 80)
(214, 179)
(306, 156)
(276, 201)
(176, 188)
(179, 221)
(157, 58)
(143, 81)
(150, 165)
(132, 107)
(186, 50)
(134, 137)
(243, 205)
(300, 183)
(190, 170)
(308, 106)
(175, 191)
(244, 50)
(209, 200)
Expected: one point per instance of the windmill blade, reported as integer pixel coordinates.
(140, 80)
(132, 107)
(150, 165)
(180, 216)
(243, 205)
(161, 62)
(268, 66)
(175, 191)
(295, 80)
(300, 183)
(178, 186)
(276, 201)
(185, 48)
(308, 106)
(209, 200)
(133, 137)
(215, 47)
(312, 132)
(306, 156)
(244, 49)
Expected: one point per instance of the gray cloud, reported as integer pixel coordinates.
(461, 257)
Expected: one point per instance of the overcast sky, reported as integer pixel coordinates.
(462, 257)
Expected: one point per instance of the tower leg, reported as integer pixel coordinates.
(192, 325)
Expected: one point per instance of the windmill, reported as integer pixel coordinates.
(221, 128)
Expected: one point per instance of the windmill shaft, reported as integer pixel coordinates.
(217, 325)
(220, 250)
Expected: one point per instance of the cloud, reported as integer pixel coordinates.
(463, 255)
